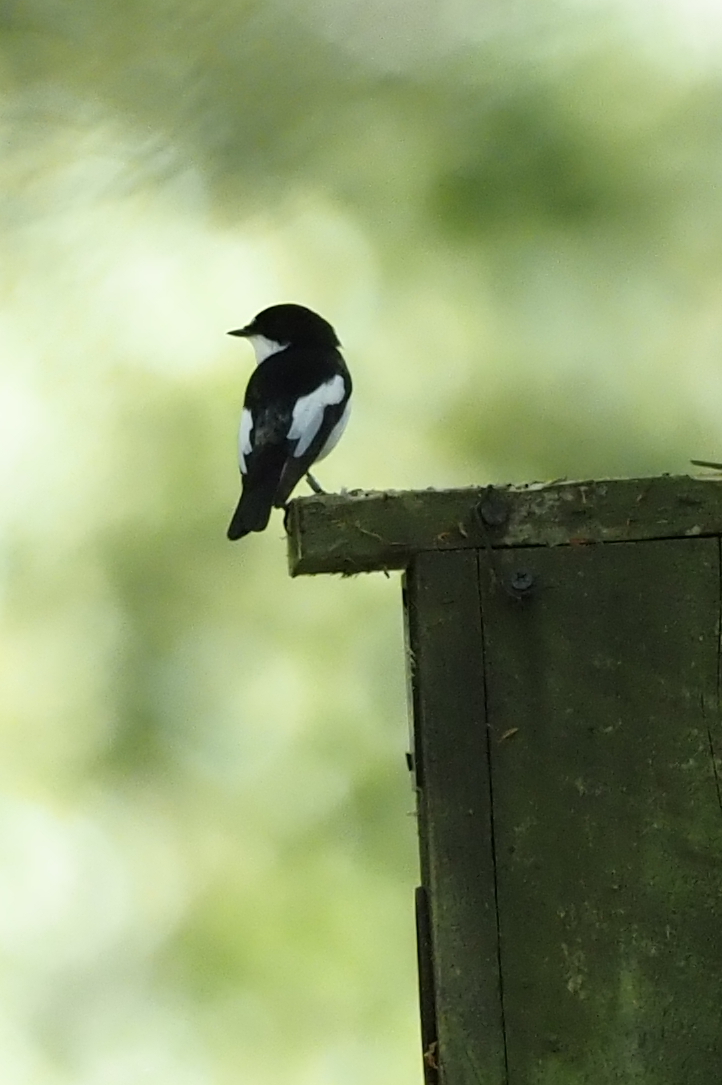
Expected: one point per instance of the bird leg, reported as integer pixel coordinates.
(314, 484)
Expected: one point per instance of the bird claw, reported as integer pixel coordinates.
(317, 489)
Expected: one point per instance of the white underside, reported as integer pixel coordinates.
(335, 434)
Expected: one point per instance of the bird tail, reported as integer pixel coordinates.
(253, 510)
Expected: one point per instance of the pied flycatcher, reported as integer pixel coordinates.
(295, 409)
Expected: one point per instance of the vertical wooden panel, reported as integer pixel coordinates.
(453, 784)
(602, 698)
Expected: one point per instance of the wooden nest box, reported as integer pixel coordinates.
(564, 647)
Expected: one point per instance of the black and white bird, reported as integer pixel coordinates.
(296, 408)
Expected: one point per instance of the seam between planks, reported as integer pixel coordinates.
(718, 698)
(492, 831)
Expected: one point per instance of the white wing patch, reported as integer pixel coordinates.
(308, 412)
(244, 438)
(335, 434)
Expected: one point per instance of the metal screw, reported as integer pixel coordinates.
(521, 582)
(492, 508)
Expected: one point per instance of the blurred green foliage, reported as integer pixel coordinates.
(511, 214)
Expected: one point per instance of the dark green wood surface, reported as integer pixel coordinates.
(607, 811)
(576, 890)
(565, 661)
(453, 788)
(350, 533)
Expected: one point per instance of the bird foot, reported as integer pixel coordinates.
(317, 489)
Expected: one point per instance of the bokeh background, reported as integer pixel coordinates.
(511, 210)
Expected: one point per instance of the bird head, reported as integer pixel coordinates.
(286, 325)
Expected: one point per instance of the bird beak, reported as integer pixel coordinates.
(243, 332)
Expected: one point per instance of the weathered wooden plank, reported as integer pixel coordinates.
(603, 707)
(453, 789)
(360, 532)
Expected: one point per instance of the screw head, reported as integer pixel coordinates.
(492, 508)
(521, 581)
